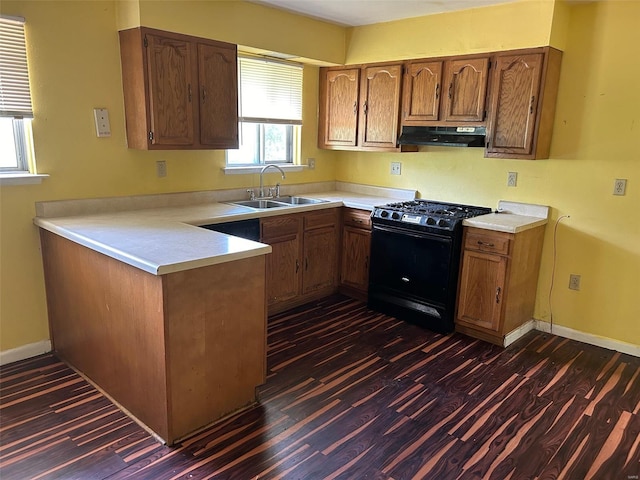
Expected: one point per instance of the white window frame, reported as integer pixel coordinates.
(260, 117)
(15, 102)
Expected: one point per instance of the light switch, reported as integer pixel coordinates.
(103, 128)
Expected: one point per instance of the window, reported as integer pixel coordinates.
(270, 105)
(15, 98)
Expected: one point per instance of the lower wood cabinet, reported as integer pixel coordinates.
(303, 264)
(498, 282)
(168, 348)
(356, 246)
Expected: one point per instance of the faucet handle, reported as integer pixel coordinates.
(277, 189)
(252, 194)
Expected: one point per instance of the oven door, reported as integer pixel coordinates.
(411, 264)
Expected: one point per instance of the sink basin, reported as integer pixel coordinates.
(259, 203)
(298, 200)
(277, 202)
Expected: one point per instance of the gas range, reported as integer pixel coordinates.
(426, 215)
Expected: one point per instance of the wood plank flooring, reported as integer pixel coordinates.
(353, 394)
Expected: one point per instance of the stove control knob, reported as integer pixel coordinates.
(395, 215)
(443, 223)
(384, 214)
(431, 221)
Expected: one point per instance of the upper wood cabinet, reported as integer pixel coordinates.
(466, 83)
(180, 92)
(421, 97)
(360, 107)
(445, 91)
(524, 90)
(339, 95)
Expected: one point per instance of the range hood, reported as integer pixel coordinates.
(445, 136)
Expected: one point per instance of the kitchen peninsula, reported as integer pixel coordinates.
(166, 318)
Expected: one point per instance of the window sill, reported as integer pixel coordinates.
(21, 178)
(243, 170)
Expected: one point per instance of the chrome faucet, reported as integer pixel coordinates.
(261, 191)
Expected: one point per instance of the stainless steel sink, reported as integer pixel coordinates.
(298, 200)
(259, 204)
(278, 202)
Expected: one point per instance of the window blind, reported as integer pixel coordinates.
(15, 96)
(270, 91)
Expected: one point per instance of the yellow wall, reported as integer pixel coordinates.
(75, 66)
(596, 139)
(74, 61)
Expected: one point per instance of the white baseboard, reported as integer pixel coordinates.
(514, 335)
(24, 352)
(623, 347)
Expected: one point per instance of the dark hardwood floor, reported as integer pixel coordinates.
(352, 394)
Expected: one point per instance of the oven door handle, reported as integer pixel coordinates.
(410, 233)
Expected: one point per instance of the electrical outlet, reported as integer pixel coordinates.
(161, 168)
(311, 163)
(512, 179)
(574, 282)
(619, 186)
(396, 168)
(101, 116)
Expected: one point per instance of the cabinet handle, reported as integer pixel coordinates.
(297, 265)
(498, 290)
(450, 89)
(533, 99)
(355, 108)
(365, 108)
(189, 93)
(306, 264)
(204, 94)
(437, 90)
(485, 244)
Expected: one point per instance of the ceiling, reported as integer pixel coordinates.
(365, 12)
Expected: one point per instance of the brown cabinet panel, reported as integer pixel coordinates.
(380, 101)
(466, 83)
(359, 107)
(524, 87)
(514, 106)
(482, 285)
(284, 234)
(171, 86)
(422, 84)
(180, 91)
(218, 96)
(339, 107)
(498, 280)
(356, 245)
(320, 258)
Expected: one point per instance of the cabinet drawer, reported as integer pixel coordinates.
(356, 218)
(279, 226)
(323, 218)
(494, 242)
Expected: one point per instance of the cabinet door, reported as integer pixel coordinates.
(379, 112)
(356, 245)
(171, 84)
(481, 293)
(340, 107)
(218, 79)
(284, 268)
(421, 94)
(515, 96)
(466, 89)
(320, 258)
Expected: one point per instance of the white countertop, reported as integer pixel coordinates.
(511, 217)
(166, 240)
